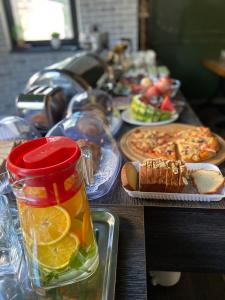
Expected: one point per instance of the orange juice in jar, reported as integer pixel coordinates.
(54, 212)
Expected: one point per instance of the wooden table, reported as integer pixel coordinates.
(131, 281)
(176, 238)
(215, 66)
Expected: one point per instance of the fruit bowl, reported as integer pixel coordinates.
(164, 86)
(157, 88)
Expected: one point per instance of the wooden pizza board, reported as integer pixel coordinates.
(217, 159)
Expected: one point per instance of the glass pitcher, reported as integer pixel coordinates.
(46, 177)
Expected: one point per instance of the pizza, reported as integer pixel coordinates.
(190, 145)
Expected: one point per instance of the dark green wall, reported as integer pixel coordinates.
(183, 32)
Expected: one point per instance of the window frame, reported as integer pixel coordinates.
(35, 44)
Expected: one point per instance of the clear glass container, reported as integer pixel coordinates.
(101, 103)
(88, 129)
(16, 128)
(58, 236)
(10, 248)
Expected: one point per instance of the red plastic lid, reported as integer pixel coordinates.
(43, 156)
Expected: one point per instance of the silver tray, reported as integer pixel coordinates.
(99, 286)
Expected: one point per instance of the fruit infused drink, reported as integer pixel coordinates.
(46, 176)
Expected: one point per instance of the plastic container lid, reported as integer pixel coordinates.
(45, 165)
(42, 156)
(87, 128)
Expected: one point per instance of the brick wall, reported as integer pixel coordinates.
(118, 17)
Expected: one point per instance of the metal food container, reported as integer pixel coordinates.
(42, 106)
(74, 75)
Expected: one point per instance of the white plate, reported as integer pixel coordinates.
(180, 196)
(127, 117)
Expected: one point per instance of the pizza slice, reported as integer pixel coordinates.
(195, 132)
(196, 149)
(136, 134)
(142, 141)
(162, 137)
(165, 151)
(194, 152)
(153, 135)
(141, 147)
(201, 132)
(205, 143)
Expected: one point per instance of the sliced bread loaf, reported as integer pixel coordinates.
(158, 175)
(208, 181)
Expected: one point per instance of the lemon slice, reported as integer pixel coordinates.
(45, 226)
(58, 255)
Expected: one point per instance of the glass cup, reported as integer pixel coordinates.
(10, 248)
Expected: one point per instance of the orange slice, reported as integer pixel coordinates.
(58, 255)
(76, 227)
(87, 230)
(45, 226)
(75, 205)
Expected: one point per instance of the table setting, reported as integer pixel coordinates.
(135, 147)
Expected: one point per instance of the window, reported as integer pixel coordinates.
(34, 21)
